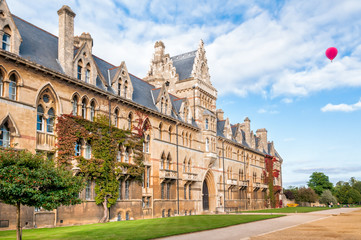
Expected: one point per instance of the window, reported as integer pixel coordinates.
(148, 202)
(162, 160)
(189, 165)
(168, 190)
(75, 106)
(163, 213)
(116, 114)
(120, 190)
(77, 148)
(88, 150)
(161, 106)
(92, 111)
(160, 130)
(184, 165)
(119, 88)
(206, 123)
(6, 42)
(162, 190)
(88, 190)
(126, 157)
(190, 190)
(168, 215)
(143, 202)
(148, 177)
(119, 154)
(169, 159)
(5, 135)
(166, 106)
(79, 69)
(87, 73)
(12, 87)
(185, 191)
(127, 216)
(40, 117)
(147, 140)
(170, 133)
(1, 84)
(130, 118)
(126, 189)
(207, 145)
(83, 108)
(125, 89)
(119, 218)
(50, 121)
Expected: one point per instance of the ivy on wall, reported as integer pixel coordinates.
(103, 167)
(270, 173)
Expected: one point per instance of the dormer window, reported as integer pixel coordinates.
(119, 88)
(166, 106)
(87, 73)
(6, 38)
(80, 68)
(125, 89)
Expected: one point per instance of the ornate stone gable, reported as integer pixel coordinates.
(161, 68)
(89, 69)
(185, 110)
(163, 101)
(200, 67)
(8, 27)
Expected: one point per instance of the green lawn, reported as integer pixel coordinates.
(139, 229)
(290, 210)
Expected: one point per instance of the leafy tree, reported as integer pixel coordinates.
(32, 180)
(357, 186)
(341, 191)
(289, 194)
(319, 182)
(306, 195)
(327, 197)
(353, 196)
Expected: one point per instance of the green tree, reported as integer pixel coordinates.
(319, 182)
(32, 180)
(306, 195)
(353, 196)
(327, 197)
(341, 191)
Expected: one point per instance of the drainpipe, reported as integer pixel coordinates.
(224, 180)
(244, 173)
(176, 127)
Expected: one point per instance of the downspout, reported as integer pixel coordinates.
(176, 126)
(224, 180)
(244, 174)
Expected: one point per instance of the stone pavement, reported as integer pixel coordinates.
(247, 230)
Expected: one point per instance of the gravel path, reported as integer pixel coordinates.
(260, 228)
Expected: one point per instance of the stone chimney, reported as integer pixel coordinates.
(262, 136)
(220, 114)
(247, 130)
(159, 51)
(84, 38)
(66, 39)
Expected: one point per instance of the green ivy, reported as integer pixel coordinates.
(102, 167)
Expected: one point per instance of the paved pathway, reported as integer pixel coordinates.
(244, 231)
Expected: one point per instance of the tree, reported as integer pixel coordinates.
(319, 182)
(306, 195)
(32, 180)
(327, 197)
(353, 196)
(289, 194)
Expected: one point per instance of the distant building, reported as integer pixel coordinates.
(217, 166)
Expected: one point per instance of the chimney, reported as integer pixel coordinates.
(159, 51)
(262, 136)
(247, 130)
(66, 39)
(84, 38)
(219, 114)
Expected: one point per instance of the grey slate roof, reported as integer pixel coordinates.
(220, 127)
(38, 46)
(184, 64)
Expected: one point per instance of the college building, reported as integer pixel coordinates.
(196, 161)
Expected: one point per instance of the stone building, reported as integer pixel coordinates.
(196, 160)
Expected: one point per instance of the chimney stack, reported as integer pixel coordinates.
(219, 114)
(66, 39)
(262, 136)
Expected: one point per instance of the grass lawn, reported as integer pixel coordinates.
(138, 229)
(290, 210)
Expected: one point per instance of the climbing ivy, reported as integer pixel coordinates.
(102, 167)
(270, 173)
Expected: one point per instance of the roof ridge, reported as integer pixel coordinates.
(183, 54)
(141, 79)
(34, 25)
(104, 60)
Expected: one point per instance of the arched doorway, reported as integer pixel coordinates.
(205, 196)
(209, 193)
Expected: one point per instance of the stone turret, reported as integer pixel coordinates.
(84, 38)
(220, 114)
(66, 39)
(262, 139)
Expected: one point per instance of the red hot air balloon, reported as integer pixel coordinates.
(331, 53)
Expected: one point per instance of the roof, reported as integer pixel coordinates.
(41, 47)
(184, 64)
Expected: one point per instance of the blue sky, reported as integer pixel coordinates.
(266, 58)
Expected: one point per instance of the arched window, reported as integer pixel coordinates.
(125, 88)
(40, 118)
(207, 145)
(75, 106)
(189, 165)
(87, 73)
(6, 38)
(77, 149)
(4, 135)
(170, 133)
(127, 216)
(1, 84)
(160, 130)
(130, 119)
(166, 106)
(190, 140)
(183, 138)
(163, 213)
(169, 162)
(186, 139)
(184, 165)
(116, 114)
(119, 87)
(169, 212)
(83, 108)
(127, 155)
(50, 121)
(206, 124)
(92, 111)
(162, 161)
(12, 87)
(79, 69)
(119, 154)
(119, 218)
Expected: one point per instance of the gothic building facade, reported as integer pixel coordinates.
(195, 160)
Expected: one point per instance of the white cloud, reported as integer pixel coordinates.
(287, 100)
(342, 107)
